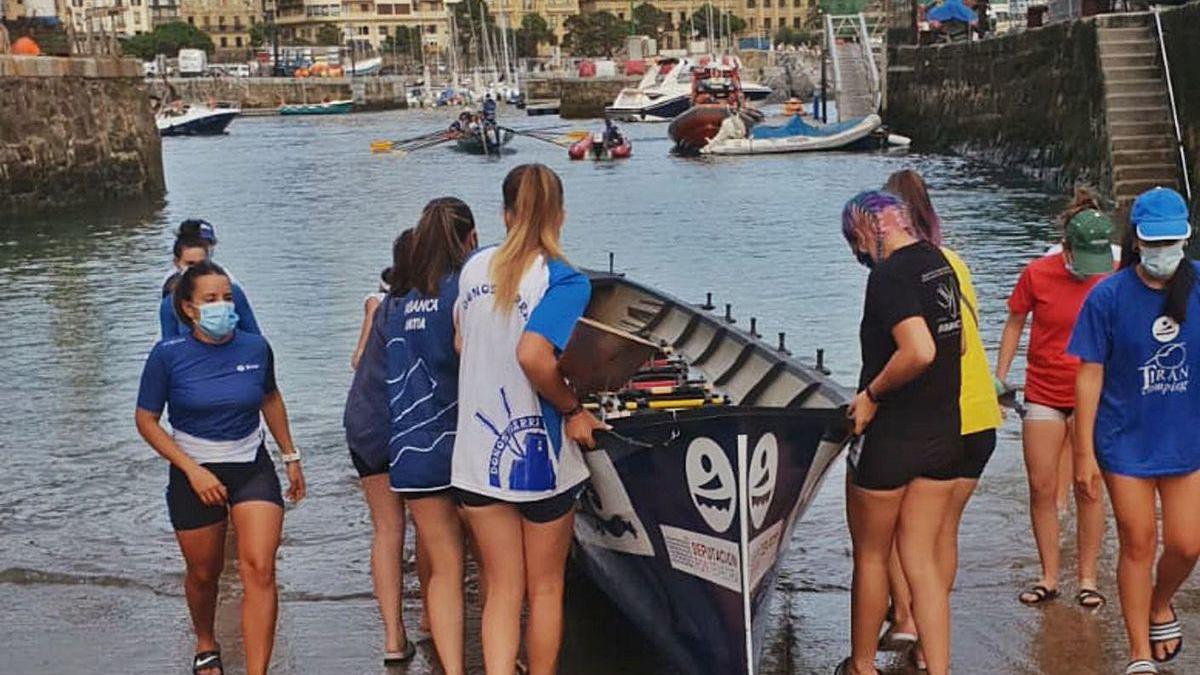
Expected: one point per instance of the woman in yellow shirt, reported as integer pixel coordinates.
(977, 402)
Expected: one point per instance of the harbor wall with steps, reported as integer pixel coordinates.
(1181, 36)
(268, 93)
(1032, 102)
(74, 131)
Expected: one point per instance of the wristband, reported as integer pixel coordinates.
(871, 395)
(289, 458)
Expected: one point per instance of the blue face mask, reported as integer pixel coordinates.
(217, 319)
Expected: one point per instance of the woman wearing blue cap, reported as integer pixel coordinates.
(1137, 412)
(194, 242)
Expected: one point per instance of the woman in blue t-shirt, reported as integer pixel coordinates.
(218, 385)
(194, 242)
(411, 346)
(1138, 337)
(517, 464)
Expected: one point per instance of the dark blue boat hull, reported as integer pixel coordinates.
(211, 125)
(660, 527)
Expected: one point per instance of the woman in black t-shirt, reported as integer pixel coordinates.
(906, 418)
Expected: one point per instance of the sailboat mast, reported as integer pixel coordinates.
(504, 43)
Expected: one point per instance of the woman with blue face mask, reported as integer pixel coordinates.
(1138, 337)
(218, 386)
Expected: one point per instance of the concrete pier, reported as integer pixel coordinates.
(73, 130)
(268, 93)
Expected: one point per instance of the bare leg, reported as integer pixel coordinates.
(204, 553)
(1181, 546)
(424, 570)
(1133, 506)
(387, 551)
(1089, 525)
(496, 529)
(901, 596)
(441, 538)
(258, 526)
(872, 516)
(1066, 475)
(546, 547)
(922, 516)
(1043, 444)
(947, 544)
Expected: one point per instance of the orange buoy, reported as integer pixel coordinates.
(25, 46)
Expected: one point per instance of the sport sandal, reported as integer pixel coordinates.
(393, 659)
(1040, 595)
(207, 661)
(1141, 667)
(1166, 632)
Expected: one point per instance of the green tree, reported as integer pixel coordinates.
(167, 39)
(724, 23)
(533, 33)
(650, 20)
(329, 35)
(594, 34)
(794, 36)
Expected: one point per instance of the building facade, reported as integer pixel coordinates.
(119, 18)
(368, 23)
(227, 22)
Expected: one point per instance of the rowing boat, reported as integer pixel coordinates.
(718, 445)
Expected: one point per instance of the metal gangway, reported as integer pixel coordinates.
(855, 52)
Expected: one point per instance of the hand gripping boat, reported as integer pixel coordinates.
(719, 444)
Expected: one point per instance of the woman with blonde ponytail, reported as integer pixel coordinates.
(518, 467)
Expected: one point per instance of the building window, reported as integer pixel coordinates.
(364, 7)
(191, 21)
(766, 3)
(238, 41)
(384, 9)
(224, 41)
(383, 30)
(751, 4)
(431, 29)
(364, 30)
(753, 23)
(767, 23)
(797, 3)
(404, 9)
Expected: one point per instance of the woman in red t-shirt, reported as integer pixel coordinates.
(1052, 289)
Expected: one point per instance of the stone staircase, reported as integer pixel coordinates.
(856, 98)
(1140, 128)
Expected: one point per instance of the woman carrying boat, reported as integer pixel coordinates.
(1138, 337)
(366, 421)
(416, 335)
(1052, 288)
(517, 466)
(977, 402)
(906, 415)
(370, 304)
(218, 385)
(194, 242)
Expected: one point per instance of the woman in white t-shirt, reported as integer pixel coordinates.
(517, 465)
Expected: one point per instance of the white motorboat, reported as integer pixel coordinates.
(195, 119)
(665, 92)
(794, 136)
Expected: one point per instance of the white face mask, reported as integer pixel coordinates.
(1161, 262)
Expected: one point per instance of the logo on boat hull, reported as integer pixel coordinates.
(711, 482)
(764, 468)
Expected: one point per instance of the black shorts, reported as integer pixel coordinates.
(245, 481)
(977, 450)
(886, 465)
(427, 494)
(540, 511)
(365, 469)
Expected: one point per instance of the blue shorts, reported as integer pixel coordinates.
(245, 481)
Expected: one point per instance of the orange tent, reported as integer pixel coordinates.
(25, 46)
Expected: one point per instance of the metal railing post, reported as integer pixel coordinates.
(1162, 47)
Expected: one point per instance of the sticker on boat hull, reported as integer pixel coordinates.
(711, 483)
(606, 516)
(700, 555)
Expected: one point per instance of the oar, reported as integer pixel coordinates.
(388, 146)
(537, 135)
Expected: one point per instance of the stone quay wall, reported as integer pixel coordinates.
(1181, 37)
(74, 130)
(1032, 101)
(580, 97)
(258, 93)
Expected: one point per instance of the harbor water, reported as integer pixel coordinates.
(90, 576)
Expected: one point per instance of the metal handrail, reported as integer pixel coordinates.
(1162, 47)
(864, 40)
(831, 46)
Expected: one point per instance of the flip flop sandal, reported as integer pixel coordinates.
(1142, 667)
(1166, 632)
(393, 659)
(1040, 593)
(1090, 598)
(207, 661)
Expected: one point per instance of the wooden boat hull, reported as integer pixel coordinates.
(688, 513)
(692, 130)
(476, 145)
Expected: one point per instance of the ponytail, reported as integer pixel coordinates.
(533, 207)
(1179, 291)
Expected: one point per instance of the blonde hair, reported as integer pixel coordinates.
(533, 206)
